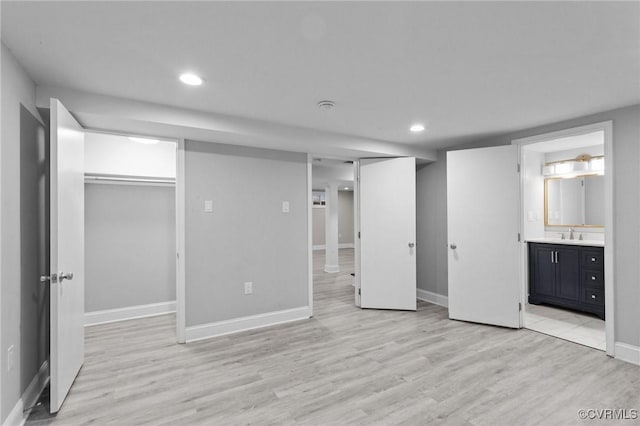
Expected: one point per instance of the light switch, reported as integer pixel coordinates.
(208, 206)
(285, 207)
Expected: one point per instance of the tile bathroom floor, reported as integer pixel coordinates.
(584, 329)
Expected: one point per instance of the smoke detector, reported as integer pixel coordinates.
(326, 105)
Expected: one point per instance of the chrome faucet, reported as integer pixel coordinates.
(571, 233)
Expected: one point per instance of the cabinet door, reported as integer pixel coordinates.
(568, 273)
(544, 273)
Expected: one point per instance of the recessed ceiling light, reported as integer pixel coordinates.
(346, 188)
(191, 79)
(147, 141)
(417, 128)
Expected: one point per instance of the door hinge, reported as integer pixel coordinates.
(519, 306)
(358, 234)
(359, 292)
(518, 237)
(518, 167)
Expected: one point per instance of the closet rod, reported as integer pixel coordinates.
(127, 179)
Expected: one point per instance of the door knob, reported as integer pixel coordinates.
(412, 245)
(453, 246)
(53, 278)
(65, 276)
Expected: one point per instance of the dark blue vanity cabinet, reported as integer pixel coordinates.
(570, 276)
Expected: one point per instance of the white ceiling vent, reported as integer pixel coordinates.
(326, 105)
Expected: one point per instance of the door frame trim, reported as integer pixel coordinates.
(609, 273)
(181, 230)
(310, 231)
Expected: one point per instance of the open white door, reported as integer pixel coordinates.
(483, 199)
(387, 193)
(67, 252)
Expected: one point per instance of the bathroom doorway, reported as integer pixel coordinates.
(566, 226)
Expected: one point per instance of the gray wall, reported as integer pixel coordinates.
(319, 224)
(247, 237)
(626, 157)
(345, 220)
(24, 307)
(431, 226)
(129, 245)
(345, 217)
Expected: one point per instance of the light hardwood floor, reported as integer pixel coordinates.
(344, 366)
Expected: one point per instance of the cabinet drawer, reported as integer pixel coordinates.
(593, 296)
(593, 279)
(593, 259)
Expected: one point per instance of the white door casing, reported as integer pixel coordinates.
(387, 203)
(483, 208)
(67, 252)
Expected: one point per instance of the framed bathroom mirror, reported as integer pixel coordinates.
(575, 201)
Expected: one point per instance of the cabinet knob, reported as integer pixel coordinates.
(593, 296)
(453, 246)
(593, 278)
(593, 259)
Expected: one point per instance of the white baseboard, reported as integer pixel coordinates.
(627, 353)
(18, 415)
(340, 246)
(130, 312)
(236, 325)
(435, 298)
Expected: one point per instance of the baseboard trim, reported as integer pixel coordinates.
(221, 328)
(130, 312)
(627, 353)
(18, 415)
(431, 297)
(340, 246)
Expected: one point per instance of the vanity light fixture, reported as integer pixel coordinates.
(583, 164)
(191, 79)
(147, 141)
(417, 128)
(562, 168)
(596, 164)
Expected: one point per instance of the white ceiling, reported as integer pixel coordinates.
(465, 69)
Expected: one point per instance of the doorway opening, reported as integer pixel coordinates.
(566, 198)
(333, 218)
(130, 227)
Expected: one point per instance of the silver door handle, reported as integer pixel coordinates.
(412, 245)
(552, 261)
(556, 257)
(53, 278)
(452, 246)
(65, 276)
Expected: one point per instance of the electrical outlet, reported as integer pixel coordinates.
(248, 288)
(10, 361)
(208, 206)
(285, 207)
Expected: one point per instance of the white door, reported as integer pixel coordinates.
(387, 192)
(483, 205)
(67, 252)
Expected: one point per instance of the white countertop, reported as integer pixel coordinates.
(594, 243)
